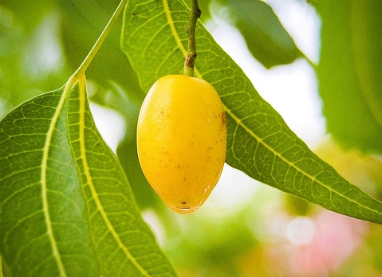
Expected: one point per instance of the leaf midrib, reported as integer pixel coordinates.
(240, 123)
(85, 164)
(44, 182)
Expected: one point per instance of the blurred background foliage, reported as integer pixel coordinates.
(263, 232)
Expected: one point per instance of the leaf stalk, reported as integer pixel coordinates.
(97, 45)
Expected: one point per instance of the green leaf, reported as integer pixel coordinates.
(4, 269)
(266, 37)
(66, 208)
(110, 63)
(259, 142)
(1, 267)
(123, 241)
(28, 31)
(128, 103)
(43, 226)
(78, 20)
(350, 72)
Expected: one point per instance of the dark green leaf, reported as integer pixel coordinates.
(266, 37)
(259, 142)
(350, 72)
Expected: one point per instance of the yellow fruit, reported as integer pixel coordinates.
(181, 139)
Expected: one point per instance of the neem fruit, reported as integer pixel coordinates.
(181, 140)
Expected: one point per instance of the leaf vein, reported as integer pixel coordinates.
(91, 184)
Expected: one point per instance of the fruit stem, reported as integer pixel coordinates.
(97, 45)
(190, 29)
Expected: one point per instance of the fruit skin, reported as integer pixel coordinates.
(181, 140)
